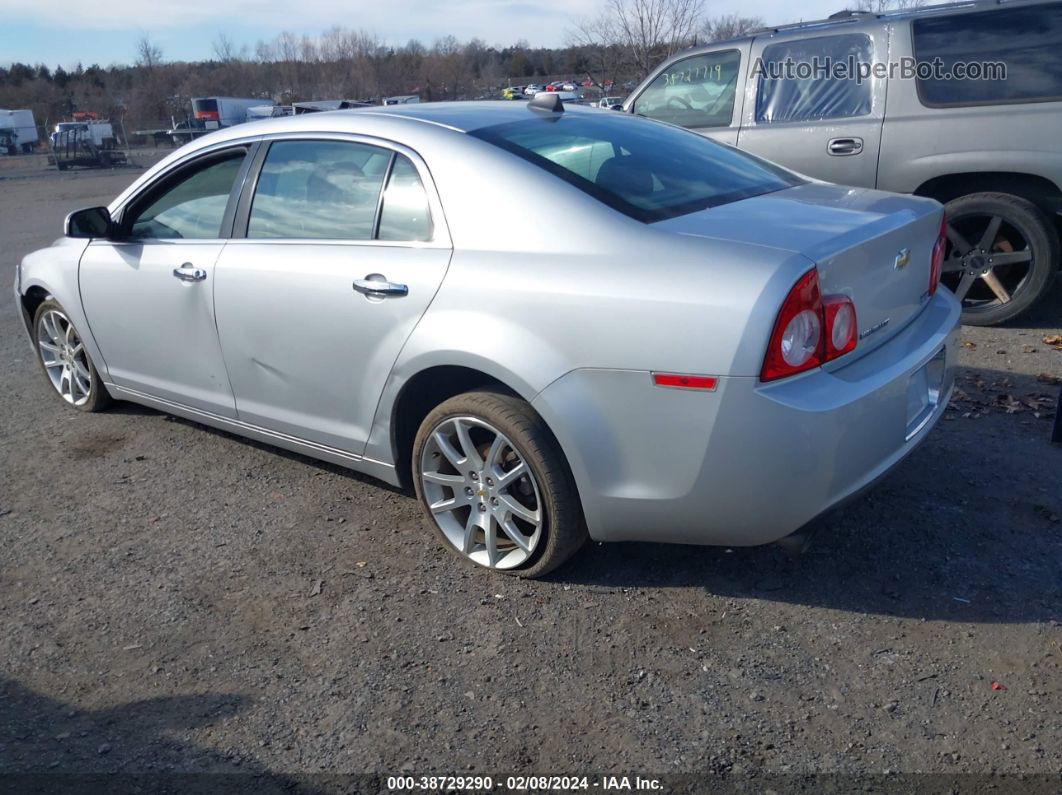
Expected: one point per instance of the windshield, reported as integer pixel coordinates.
(644, 169)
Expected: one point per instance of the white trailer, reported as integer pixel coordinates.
(100, 133)
(21, 123)
(217, 112)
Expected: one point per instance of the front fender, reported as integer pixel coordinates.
(54, 270)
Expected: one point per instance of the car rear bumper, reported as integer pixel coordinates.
(748, 463)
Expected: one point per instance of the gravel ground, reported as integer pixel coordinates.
(175, 599)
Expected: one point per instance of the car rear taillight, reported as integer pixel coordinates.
(936, 262)
(840, 325)
(810, 330)
(796, 342)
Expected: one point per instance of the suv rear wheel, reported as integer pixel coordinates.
(1001, 255)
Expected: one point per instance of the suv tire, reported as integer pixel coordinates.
(1020, 233)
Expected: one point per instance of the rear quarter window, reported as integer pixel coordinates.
(1027, 40)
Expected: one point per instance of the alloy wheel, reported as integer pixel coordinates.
(988, 260)
(64, 358)
(482, 493)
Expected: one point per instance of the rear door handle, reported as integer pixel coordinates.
(375, 285)
(189, 273)
(844, 146)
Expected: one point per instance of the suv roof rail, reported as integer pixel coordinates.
(848, 12)
(849, 15)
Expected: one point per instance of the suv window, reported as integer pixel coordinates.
(645, 170)
(404, 214)
(694, 92)
(193, 208)
(1028, 40)
(784, 98)
(319, 190)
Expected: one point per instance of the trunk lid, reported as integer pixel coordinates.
(857, 238)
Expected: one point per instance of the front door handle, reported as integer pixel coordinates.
(189, 273)
(375, 285)
(844, 146)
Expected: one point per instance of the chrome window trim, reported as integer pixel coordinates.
(118, 207)
(440, 229)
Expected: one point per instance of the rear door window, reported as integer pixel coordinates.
(787, 95)
(1028, 41)
(695, 92)
(326, 190)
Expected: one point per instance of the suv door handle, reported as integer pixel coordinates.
(844, 146)
(189, 273)
(375, 285)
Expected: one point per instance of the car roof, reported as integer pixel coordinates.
(402, 123)
(464, 116)
(457, 116)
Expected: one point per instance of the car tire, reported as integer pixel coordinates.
(1022, 224)
(546, 488)
(62, 356)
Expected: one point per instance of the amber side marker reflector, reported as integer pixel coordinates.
(679, 381)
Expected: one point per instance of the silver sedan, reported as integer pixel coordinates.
(710, 350)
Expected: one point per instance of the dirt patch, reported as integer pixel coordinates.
(95, 445)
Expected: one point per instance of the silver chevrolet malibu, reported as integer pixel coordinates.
(711, 350)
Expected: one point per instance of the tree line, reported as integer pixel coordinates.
(621, 45)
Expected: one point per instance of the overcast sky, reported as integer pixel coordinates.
(105, 31)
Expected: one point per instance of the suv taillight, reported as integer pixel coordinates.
(810, 330)
(936, 262)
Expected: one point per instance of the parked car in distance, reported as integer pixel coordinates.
(534, 88)
(989, 149)
(611, 103)
(513, 92)
(715, 351)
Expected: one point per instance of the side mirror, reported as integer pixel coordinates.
(91, 222)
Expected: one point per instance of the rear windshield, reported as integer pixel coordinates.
(647, 170)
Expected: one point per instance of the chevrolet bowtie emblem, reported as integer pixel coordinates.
(902, 258)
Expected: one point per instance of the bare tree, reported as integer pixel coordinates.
(224, 49)
(730, 26)
(148, 54)
(645, 31)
